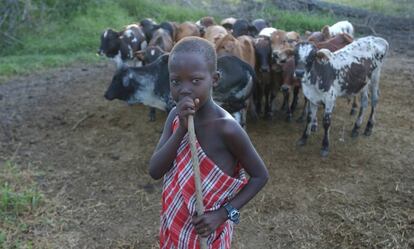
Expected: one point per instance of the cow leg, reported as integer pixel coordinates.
(252, 108)
(301, 119)
(286, 93)
(151, 114)
(240, 117)
(354, 106)
(326, 126)
(374, 101)
(360, 118)
(312, 109)
(296, 90)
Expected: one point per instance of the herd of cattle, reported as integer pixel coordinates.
(255, 62)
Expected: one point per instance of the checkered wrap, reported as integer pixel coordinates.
(178, 199)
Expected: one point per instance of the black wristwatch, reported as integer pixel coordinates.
(232, 213)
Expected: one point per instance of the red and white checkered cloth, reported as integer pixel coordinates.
(178, 199)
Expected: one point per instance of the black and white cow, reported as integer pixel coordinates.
(149, 85)
(121, 46)
(327, 75)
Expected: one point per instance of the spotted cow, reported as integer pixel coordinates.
(121, 46)
(349, 71)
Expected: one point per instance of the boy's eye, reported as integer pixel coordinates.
(195, 81)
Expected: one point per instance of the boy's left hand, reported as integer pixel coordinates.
(208, 222)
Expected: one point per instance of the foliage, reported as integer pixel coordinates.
(402, 8)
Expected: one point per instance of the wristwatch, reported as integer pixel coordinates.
(232, 213)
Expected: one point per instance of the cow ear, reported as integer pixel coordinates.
(289, 52)
(325, 32)
(323, 55)
(307, 34)
(140, 55)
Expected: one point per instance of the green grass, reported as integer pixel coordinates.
(66, 40)
(402, 8)
(20, 200)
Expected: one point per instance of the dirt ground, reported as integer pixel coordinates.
(94, 155)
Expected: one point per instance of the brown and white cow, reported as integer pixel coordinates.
(121, 46)
(228, 23)
(160, 44)
(349, 71)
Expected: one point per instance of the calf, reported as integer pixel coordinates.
(121, 46)
(228, 23)
(214, 33)
(346, 72)
(259, 25)
(160, 43)
(243, 27)
(342, 27)
(186, 29)
(149, 85)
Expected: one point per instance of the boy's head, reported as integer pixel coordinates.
(197, 46)
(192, 65)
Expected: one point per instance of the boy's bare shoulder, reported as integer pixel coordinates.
(227, 125)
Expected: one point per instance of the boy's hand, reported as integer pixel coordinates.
(186, 106)
(208, 222)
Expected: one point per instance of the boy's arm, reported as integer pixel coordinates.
(241, 147)
(166, 150)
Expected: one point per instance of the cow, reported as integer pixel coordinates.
(149, 85)
(265, 75)
(349, 71)
(187, 29)
(160, 43)
(228, 23)
(121, 46)
(206, 21)
(259, 25)
(243, 27)
(342, 27)
(289, 81)
(147, 25)
(241, 47)
(214, 33)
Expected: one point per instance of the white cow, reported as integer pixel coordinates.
(327, 75)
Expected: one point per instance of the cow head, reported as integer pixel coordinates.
(120, 87)
(306, 54)
(263, 54)
(227, 45)
(279, 45)
(147, 25)
(243, 27)
(110, 43)
(146, 85)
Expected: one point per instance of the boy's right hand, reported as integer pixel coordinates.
(185, 107)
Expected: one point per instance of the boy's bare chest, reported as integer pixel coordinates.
(216, 149)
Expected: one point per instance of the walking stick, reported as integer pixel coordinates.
(197, 178)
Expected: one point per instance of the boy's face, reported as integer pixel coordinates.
(190, 75)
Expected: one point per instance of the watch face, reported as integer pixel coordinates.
(234, 216)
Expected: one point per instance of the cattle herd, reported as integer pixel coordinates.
(255, 62)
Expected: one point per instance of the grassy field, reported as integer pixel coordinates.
(403, 8)
(60, 40)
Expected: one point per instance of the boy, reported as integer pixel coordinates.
(224, 149)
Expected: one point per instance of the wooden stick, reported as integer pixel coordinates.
(197, 178)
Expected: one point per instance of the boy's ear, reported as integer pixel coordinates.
(216, 78)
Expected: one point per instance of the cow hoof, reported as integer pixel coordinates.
(367, 132)
(152, 119)
(353, 112)
(324, 152)
(354, 133)
(314, 128)
(301, 142)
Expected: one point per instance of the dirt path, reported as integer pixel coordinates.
(94, 156)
